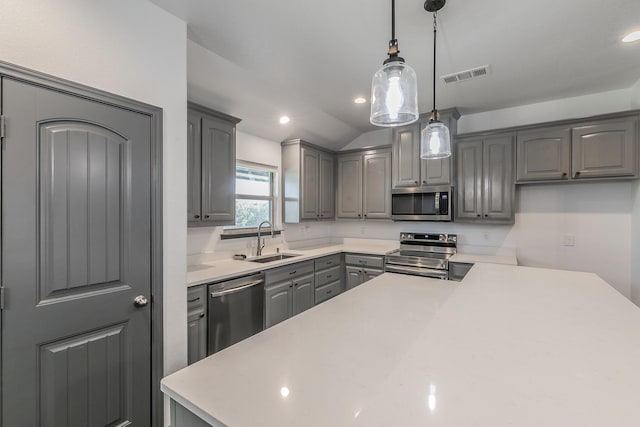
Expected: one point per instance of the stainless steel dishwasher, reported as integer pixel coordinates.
(236, 311)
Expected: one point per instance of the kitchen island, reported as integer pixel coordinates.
(507, 346)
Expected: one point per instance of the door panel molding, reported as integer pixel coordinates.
(155, 114)
(82, 168)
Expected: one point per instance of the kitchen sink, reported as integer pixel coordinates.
(270, 258)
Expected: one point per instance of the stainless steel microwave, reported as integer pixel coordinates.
(422, 204)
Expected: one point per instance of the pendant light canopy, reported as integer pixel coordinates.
(435, 140)
(394, 88)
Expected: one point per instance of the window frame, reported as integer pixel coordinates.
(236, 232)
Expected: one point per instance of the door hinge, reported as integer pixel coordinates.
(3, 127)
(1, 297)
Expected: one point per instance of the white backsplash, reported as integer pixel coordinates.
(596, 216)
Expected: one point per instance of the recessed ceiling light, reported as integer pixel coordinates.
(631, 37)
(284, 120)
(360, 100)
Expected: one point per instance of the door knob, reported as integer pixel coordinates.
(140, 301)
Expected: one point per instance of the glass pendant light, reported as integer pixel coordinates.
(394, 88)
(435, 141)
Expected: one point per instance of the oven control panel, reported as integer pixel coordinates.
(428, 237)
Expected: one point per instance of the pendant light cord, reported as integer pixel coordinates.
(434, 63)
(393, 19)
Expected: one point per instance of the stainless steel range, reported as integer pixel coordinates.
(423, 254)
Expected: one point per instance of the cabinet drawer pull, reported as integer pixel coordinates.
(329, 291)
(201, 315)
(196, 216)
(329, 276)
(293, 272)
(206, 216)
(193, 300)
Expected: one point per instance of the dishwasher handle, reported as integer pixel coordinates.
(238, 289)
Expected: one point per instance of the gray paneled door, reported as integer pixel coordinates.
(76, 251)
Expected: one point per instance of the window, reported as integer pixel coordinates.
(255, 196)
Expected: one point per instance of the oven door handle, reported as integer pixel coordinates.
(441, 274)
(234, 290)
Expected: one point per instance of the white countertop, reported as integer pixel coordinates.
(508, 346)
(224, 269)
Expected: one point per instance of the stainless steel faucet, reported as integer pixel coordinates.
(261, 243)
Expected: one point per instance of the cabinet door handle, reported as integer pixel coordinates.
(201, 315)
(193, 300)
(564, 174)
(196, 216)
(486, 215)
(577, 173)
(293, 272)
(329, 276)
(359, 215)
(329, 291)
(478, 215)
(206, 216)
(424, 182)
(415, 182)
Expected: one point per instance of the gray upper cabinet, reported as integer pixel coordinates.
(605, 149)
(211, 156)
(579, 150)
(376, 197)
(194, 166)
(350, 186)
(327, 186)
(409, 170)
(543, 154)
(406, 156)
(485, 179)
(364, 185)
(308, 182)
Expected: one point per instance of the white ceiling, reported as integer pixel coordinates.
(259, 59)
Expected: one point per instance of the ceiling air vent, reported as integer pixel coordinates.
(466, 74)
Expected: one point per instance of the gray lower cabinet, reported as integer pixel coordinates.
(328, 277)
(457, 270)
(196, 323)
(308, 182)
(409, 170)
(289, 290)
(360, 268)
(364, 185)
(486, 183)
(182, 417)
(211, 158)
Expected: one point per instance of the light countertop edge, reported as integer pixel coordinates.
(452, 335)
(229, 268)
